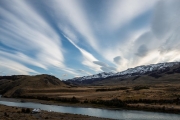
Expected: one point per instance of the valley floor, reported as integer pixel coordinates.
(156, 98)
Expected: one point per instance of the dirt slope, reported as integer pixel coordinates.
(12, 86)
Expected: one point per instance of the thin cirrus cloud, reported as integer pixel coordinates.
(123, 11)
(9, 67)
(22, 58)
(72, 12)
(69, 38)
(88, 58)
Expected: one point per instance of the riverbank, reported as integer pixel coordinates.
(164, 108)
(84, 105)
(16, 113)
(101, 113)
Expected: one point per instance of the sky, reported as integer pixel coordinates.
(73, 38)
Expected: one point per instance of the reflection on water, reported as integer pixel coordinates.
(113, 114)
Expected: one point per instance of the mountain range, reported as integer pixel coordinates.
(153, 70)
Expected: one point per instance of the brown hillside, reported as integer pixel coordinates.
(16, 85)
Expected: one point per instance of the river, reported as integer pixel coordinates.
(103, 113)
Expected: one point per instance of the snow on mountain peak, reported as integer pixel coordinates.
(139, 70)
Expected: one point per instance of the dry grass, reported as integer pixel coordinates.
(82, 93)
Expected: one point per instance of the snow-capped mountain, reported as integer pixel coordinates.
(137, 71)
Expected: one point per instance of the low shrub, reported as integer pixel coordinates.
(140, 87)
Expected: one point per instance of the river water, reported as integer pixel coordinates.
(103, 113)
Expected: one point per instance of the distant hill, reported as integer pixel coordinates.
(16, 85)
(146, 74)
